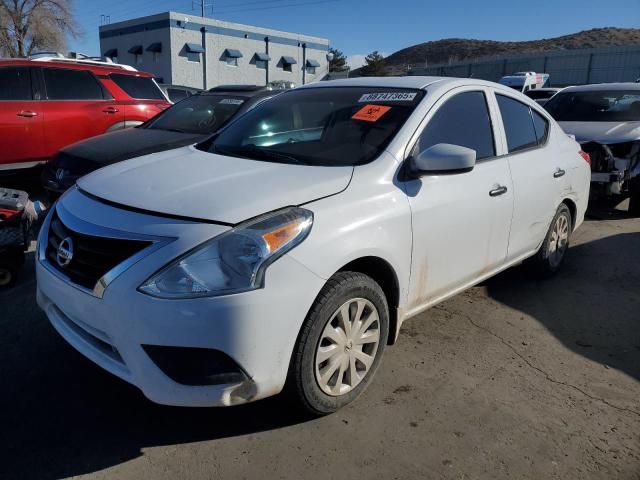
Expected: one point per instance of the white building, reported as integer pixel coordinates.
(203, 52)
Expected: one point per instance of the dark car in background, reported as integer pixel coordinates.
(189, 121)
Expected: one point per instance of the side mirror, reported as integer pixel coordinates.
(443, 158)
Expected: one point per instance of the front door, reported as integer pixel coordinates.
(21, 120)
(460, 220)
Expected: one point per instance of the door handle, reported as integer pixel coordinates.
(499, 190)
(558, 173)
(111, 110)
(26, 114)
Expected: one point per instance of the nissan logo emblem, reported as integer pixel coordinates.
(65, 252)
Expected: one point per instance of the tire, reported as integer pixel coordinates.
(8, 276)
(314, 385)
(550, 257)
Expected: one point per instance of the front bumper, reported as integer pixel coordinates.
(256, 329)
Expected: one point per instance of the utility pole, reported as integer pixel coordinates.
(203, 4)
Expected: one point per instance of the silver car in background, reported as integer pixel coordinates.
(605, 120)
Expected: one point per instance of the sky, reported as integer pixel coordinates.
(358, 27)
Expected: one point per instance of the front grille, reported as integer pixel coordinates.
(92, 256)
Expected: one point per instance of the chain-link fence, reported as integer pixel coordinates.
(566, 67)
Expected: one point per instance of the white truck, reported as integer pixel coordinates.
(525, 81)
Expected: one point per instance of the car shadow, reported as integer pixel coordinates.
(592, 305)
(62, 416)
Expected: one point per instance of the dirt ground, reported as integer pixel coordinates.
(515, 378)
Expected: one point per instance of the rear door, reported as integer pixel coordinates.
(77, 106)
(537, 178)
(21, 119)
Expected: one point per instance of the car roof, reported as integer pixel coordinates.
(415, 82)
(604, 86)
(260, 92)
(69, 63)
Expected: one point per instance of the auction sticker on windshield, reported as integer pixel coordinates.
(370, 113)
(388, 97)
(231, 101)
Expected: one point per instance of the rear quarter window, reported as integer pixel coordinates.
(140, 88)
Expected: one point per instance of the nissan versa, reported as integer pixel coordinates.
(289, 248)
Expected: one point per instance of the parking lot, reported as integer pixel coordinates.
(516, 378)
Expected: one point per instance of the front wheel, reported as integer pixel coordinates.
(549, 258)
(341, 343)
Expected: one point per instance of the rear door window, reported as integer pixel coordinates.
(67, 84)
(141, 88)
(518, 124)
(15, 83)
(462, 120)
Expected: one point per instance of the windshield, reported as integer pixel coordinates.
(198, 114)
(332, 126)
(596, 106)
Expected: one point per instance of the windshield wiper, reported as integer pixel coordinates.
(256, 153)
(177, 130)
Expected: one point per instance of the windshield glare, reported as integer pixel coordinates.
(595, 106)
(198, 114)
(329, 126)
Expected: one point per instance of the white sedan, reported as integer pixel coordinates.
(289, 248)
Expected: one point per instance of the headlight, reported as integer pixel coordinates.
(234, 261)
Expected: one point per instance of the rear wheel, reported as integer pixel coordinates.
(340, 344)
(549, 258)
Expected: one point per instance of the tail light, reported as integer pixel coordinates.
(9, 215)
(585, 156)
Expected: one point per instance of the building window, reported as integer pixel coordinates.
(311, 70)
(261, 64)
(193, 57)
(232, 61)
(138, 59)
(288, 63)
(156, 57)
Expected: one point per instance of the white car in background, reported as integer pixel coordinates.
(290, 247)
(605, 119)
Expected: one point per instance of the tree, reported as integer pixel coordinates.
(339, 62)
(27, 26)
(374, 65)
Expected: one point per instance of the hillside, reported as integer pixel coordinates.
(460, 49)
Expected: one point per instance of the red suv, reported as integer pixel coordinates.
(48, 103)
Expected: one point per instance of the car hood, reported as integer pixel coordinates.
(96, 152)
(602, 132)
(190, 183)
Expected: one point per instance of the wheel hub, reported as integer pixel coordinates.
(347, 347)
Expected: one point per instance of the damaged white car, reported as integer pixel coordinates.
(605, 119)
